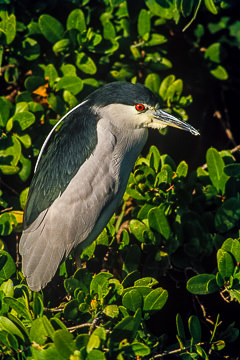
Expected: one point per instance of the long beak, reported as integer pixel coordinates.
(162, 119)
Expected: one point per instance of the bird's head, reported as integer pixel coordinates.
(133, 106)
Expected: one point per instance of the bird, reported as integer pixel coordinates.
(82, 172)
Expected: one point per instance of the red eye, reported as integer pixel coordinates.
(140, 107)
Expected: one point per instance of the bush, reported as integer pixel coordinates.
(175, 236)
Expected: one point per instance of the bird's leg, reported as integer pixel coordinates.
(76, 255)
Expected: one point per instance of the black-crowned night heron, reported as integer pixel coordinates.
(82, 172)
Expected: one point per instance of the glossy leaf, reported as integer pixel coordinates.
(228, 215)
(158, 221)
(211, 6)
(7, 265)
(144, 23)
(100, 285)
(225, 263)
(71, 83)
(85, 63)
(232, 246)
(8, 26)
(10, 327)
(195, 328)
(138, 229)
(220, 73)
(169, 80)
(76, 20)
(213, 52)
(216, 169)
(125, 329)
(182, 169)
(153, 81)
(202, 284)
(155, 300)
(51, 28)
(132, 300)
(63, 340)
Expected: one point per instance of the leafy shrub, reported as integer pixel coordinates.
(174, 225)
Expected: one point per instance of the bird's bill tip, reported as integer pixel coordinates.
(164, 119)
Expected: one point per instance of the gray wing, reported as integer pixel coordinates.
(78, 214)
(64, 153)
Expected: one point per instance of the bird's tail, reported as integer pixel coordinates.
(41, 256)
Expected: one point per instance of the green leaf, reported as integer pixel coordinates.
(195, 329)
(61, 46)
(182, 169)
(7, 265)
(211, 6)
(155, 300)
(220, 73)
(156, 39)
(158, 221)
(5, 107)
(50, 73)
(25, 170)
(64, 343)
(232, 246)
(38, 333)
(84, 278)
(94, 341)
(51, 28)
(111, 311)
(76, 20)
(165, 85)
(30, 49)
(23, 197)
(166, 9)
(216, 166)
(155, 159)
(202, 284)
(132, 300)
(125, 329)
(228, 215)
(25, 140)
(186, 7)
(174, 90)
(8, 26)
(100, 285)
(11, 149)
(37, 304)
(234, 30)
(213, 52)
(20, 308)
(71, 83)
(225, 263)
(70, 98)
(20, 325)
(109, 32)
(85, 63)
(71, 309)
(96, 355)
(180, 329)
(138, 229)
(82, 340)
(7, 288)
(10, 327)
(33, 82)
(144, 23)
(56, 103)
(153, 81)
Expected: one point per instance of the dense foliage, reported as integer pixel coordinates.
(163, 279)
